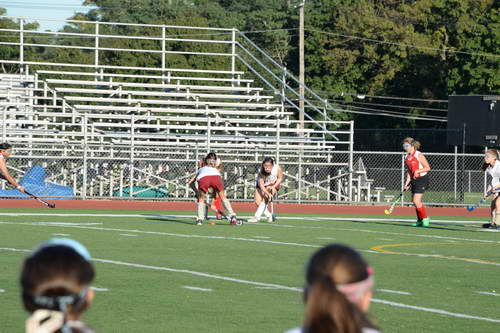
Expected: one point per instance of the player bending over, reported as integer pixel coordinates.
(417, 178)
(208, 177)
(269, 181)
(5, 152)
(492, 167)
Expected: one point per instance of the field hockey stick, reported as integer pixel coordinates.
(470, 208)
(48, 204)
(394, 203)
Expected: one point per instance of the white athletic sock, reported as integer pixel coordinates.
(201, 211)
(260, 210)
(227, 206)
(267, 213)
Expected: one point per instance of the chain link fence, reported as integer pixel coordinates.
(161, 173)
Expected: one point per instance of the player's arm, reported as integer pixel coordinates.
(279, 179)
(262, 186)
(425, 165)
(8, 177)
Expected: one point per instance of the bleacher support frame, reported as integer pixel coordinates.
(51, 111)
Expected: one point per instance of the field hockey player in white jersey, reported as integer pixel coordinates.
(209, 177)
(269, 180)
(492, 167)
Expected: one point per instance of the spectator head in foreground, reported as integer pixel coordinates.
(55, 286)
(338, 292)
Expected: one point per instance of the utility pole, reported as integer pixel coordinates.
(301, 65)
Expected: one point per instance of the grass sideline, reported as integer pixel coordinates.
(157, 272)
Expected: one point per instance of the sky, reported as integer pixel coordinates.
(51, 9)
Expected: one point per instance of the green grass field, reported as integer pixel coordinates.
(157, 272)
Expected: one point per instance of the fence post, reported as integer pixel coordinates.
(299, 177)
(455, 173)
(21, 43)
(96, 46)
(85, 157)
(351, 158)
(233, 54)
(163, 50)
(132, 156)
(402, 178)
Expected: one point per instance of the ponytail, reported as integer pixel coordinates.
(5, 146)
(329, 311)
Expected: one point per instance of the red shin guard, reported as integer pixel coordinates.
(421, 213)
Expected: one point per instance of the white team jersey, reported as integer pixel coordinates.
(207, 171)
(494, 172)
(272, 177)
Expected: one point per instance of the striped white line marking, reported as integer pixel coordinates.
(64, 235)
(326, 238)
(99, 289)
(128, 235)
(393, 291)
(474, 261)
(261, 237)
(276, 286)
(300, 218)
(2, 290)
(196, 288)
(487, 293)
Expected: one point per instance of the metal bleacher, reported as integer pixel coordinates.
(252, 104)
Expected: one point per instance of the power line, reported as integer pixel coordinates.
(391, 105)
(405, 45)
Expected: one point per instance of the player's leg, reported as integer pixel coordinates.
(201, 207)
(216, 183)
(261, 205)
(267, 212)
(218, 207)
(496, 218)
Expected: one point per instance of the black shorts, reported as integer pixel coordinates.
(419, 185)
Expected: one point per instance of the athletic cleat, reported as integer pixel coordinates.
(234, 220)
(490, 226)
(426, 222)
(199, 222)
(253, 220)
(419, 223)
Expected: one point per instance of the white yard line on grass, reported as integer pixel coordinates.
(277, 286)
(64, 235)
(289, 226)
(393, 291)
(348, 219)
(487, 293)
(42, 224)
(128, 235)
(196, 288)
(99, 289)
(2, 290)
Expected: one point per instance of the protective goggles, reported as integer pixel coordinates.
(406, 145)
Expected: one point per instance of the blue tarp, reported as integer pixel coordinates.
(34, 182)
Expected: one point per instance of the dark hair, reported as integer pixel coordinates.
(5, 146)
(266, 160)
(55, 274)
(328, 309)
(493, 152)
(210, 156)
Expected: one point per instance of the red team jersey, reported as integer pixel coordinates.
(413, 164)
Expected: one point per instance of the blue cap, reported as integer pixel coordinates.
(75, 245)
